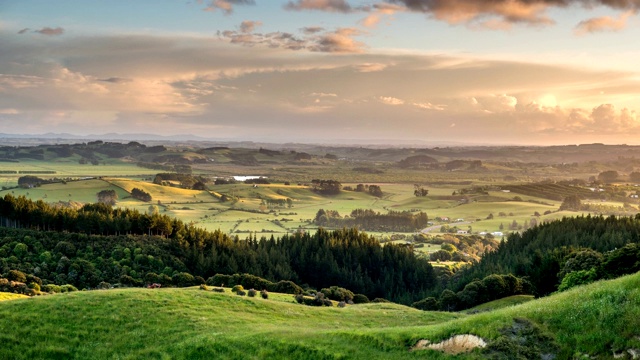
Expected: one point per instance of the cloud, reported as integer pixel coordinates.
(338, 41)
(388, 100)
(209, 86)
(430, 106)
(504, 12)
(312, 30)
(248, 26)
(604, 23)
(370, 67)
(23, 31)
(323, 5)
(378, 11)
(115, 80)
(50, 31)
(226, 6)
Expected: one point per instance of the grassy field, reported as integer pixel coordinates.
(500, 303)
(70, 168)
(597, 319)
(247, 210)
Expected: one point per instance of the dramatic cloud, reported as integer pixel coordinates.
(49, 31)
(226, 6)
(213, 88)
(504, 11)
(604, 23)
(322, 5)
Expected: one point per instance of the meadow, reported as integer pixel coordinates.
(596, 320)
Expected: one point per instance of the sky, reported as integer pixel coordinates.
(324, 71)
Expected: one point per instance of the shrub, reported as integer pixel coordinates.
(17, 275)
(220, 290)
(286, 287)
(34, 286)
(264, 294)
(183, 279)
(342, 304)
(219, 280)
(337, 293)
(241, 293)
(68, 288)
(204, 287)
(299, 298)
(252, 293)
(360, 299)
(237, 288)
(199, 280)
(103, 285)
(51, 288)
(427, 304)
(380, 300)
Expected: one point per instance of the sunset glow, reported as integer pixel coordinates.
(504, 72)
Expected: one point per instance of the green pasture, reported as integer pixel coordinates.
(84, 191)
(597, 320)
(500, 303)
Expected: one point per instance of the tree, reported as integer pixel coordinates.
(140, 194)
(419, 191)
(571, 202)
(375, 190)
(608, 176)
(107, 197)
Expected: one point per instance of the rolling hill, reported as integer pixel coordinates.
(595, 321)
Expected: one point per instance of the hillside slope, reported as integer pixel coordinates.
(599, 319)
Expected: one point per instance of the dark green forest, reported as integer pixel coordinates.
(99, 244)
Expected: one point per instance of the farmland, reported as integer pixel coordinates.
(497, 194)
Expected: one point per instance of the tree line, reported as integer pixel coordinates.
(370, 220)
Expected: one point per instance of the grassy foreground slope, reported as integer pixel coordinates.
(597, 319)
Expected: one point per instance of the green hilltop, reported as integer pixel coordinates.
(596, 320)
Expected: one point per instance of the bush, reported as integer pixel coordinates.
(337, 293)
(299, 298)
(204, 287)
(103, 285)
(286, 287)
(183, 279)
(252, 293)
(17, 275)
(199, 280)
(427, 304)
(68, 288)
(34, 286)
(360, 299)
(51, 288)
(264, 294)
(241, 293)
(237, 288)
(219, 280)
(380, 300)
(342, 304)
(217, 289)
